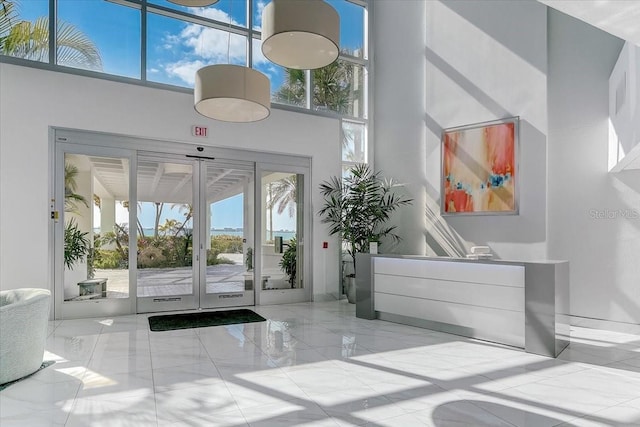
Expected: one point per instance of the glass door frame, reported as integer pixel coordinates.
(198, 299)
(112, 144)
(102, 306)
(284, 296)
(227, 299)
(159, 303)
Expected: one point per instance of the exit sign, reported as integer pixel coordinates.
(200, 131)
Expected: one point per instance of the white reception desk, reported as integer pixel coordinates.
(521, 304)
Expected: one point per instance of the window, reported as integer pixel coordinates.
(220, 11)
(288, 87)
(31, 18)
(338, 87)
(110, 44)
(106, 37)
(176, 49)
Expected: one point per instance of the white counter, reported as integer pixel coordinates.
(521, 304)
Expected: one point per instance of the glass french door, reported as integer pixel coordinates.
(91, 233)
(148, 226)
(284, 229)
(226, 239)
(194, 228)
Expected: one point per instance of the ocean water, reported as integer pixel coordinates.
(286, 234)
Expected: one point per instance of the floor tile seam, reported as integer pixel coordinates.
(601, 360)
(88, 363)
(122, 354)
(624, 404)
(633, 376)
(308, 399)
(390, 403)
(55, 326)
(155, 401)
(637, 356)
(594, 368)
(235, 400)
(525, 399)
(536, 375)
(118, 396)
(211, 357)
(43, 411)
(223, 379)
(490, 413)
(595, 414)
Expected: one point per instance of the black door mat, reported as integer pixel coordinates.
(172, 322)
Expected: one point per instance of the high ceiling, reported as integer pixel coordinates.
(618, 17)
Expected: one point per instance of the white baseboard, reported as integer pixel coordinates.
(608, 325)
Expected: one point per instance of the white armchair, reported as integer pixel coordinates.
(24, 315)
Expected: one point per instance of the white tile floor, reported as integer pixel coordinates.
(317, 365)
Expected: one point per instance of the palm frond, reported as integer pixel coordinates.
(30, 40)
(358, 206)
(75, 49)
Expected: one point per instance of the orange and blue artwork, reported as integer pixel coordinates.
(479, 168)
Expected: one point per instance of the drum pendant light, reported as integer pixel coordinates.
(232, 93)
(193, 3)
(300, 34)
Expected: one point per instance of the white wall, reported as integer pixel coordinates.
(587, 205)
(440, 64)
(624, 110)
(33, 100)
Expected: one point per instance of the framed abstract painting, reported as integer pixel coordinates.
(480, 168)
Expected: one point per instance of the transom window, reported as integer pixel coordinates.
(159, 42)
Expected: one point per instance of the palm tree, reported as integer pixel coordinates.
(156, 225)
(283, 195)
(188, 214)
(30, 40)
(333, 89)
(358, 207)
(8, 14)
(125, 204)
(293, 89)
(71, 198)
(169, 226)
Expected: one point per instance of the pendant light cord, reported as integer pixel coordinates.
(229, 33)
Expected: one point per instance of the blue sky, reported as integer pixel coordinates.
(225, 213)
(177, 49)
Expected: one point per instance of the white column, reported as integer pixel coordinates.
(107, 218)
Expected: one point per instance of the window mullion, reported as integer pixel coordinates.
(53, 24)
(143, 42)
(309, 89)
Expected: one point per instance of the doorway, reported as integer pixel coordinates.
(194, 227)
(160, 226)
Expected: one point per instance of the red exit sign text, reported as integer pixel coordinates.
(201, 131)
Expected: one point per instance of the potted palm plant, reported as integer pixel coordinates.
(289, 261)
(357, 208)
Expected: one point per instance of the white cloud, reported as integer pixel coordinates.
(210, 43)
(258, 15)
(205, 46)
(185, 70)
(258, 57)
(213, 13)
